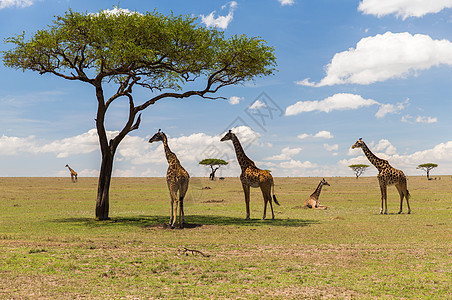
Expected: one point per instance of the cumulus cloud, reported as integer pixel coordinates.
(296, 164)
(323, 134)
(419, 119)
(402, 8)
(341, 101)
(385, 56)
(257, 105)
(286, 154)
(391, 108)
(220, 21)
(286, 2)
(235, 100)
(15, 3)
(329, 147)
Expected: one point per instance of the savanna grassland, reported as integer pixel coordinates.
(51, 247)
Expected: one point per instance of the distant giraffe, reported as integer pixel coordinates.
(252, 176)
(73, 174)
(387, 175)
(313, 200)
(176, 178)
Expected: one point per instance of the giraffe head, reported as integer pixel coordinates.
(66, 166)
(359, 143)
(159, 136)
(228, 136)
(324, 182)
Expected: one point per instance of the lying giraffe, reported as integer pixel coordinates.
(387, 175)
(73, 174)
(313, 200)
(176, 178)
(252, 176)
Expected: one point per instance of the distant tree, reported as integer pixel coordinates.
(214, 165)
(117, 52)
(358, 169)
(427, 168)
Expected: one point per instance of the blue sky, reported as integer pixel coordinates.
(376, 69)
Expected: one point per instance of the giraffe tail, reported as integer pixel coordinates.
(274, 197)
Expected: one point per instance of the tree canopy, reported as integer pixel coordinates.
(358, 169)
(126, 50)
(212, 162)
(427, 168)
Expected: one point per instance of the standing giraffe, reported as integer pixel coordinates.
(176, 178)
(387, 175)
(73, 174)
(313, 200)
(252, 176)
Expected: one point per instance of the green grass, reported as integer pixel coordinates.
(52, 247)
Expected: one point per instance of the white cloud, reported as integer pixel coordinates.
(286, 154)
(321, 134)
(383, 57)
(419, 119)
(391, 108)
(15, 3)
(329, 147)
(220, 21)
(341, 101)
(257, 105)
(296, 164)
(286, 2)
(235, 100)
(403, 8)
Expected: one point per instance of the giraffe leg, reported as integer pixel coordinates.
(266, 193)
(401, 194)
(182, 191)
(171, 188)
(383, 198)
(246, 191)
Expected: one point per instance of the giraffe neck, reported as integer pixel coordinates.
(243, 160)
(317, 191)
(376, 161)
(170, 156)
(70, 169)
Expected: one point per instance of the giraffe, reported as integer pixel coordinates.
(252, 176)
(387, 175)
(176, 178)
(313, 200)
(73, 174)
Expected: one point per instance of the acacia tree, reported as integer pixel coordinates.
(163, 54)
(214, 164)
(358, 169)
(427, 168)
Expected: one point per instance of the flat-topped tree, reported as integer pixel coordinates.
(129, 50)
(358, 169)
(427, 168)
(214, 164)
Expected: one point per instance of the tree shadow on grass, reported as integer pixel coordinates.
(192, 221)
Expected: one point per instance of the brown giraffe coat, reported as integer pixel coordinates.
(73, 174)
(252, 176)
(313, 200)
(176, 178)
(387, 175)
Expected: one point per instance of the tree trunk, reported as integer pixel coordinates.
(103, 189)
